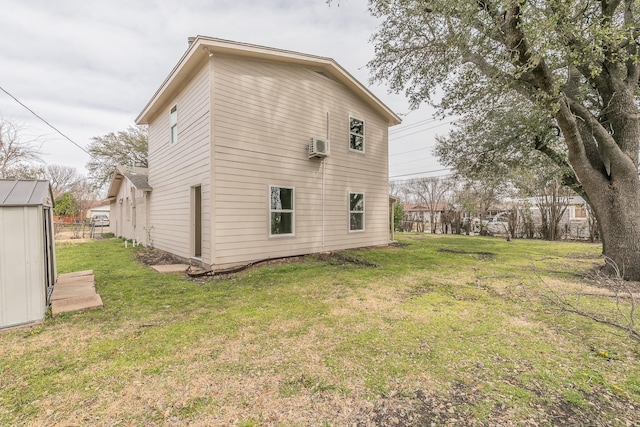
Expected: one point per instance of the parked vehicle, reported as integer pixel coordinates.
(498, 224)
(473, 224)
(100, 220)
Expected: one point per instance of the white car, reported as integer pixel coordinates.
(498, 224)
(100, 220)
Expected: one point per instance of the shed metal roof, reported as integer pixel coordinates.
(24, 192)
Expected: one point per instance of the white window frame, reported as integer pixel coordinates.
(292, 211)
(173, 124)
(356, 211)
(357, 134)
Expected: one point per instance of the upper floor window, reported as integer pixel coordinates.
(281, 211)
(356, 211)
(356, 134)
(174, 124)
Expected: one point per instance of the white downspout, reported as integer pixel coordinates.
(323, 203)
(323, 175)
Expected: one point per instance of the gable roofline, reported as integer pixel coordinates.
(139, 178)
(202, 47)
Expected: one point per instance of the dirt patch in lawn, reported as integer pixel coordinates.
(427, 407)
(338, 258)
(148, 256)
(481, 255)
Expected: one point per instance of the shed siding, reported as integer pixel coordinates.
(176, 168)
(22, 281)
(265, 112)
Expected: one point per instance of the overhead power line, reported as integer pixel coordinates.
(420, 173)
(46, 122)
(405, 180)
(419, 131)
(410, 151)
(414, 160)
(401, 128)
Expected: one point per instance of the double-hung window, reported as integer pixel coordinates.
(356, 211)
(173, 121)
(281, 211)
(356, 134)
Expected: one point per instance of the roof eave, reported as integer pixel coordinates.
(202, 47)
(116, 181)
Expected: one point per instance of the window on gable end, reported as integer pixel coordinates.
(356, 134)
(173, 121)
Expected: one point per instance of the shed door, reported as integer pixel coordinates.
(49, 255)
(197, 220)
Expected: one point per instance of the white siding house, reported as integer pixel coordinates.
(129, 197)
(229, 163)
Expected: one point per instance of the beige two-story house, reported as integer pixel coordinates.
(257, 153)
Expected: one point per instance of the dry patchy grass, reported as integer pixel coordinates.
(433, 334)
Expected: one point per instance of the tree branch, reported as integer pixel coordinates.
(569, 177)
(521, 53)
(619, 160)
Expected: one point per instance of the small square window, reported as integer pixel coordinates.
(173, 120)
(356, 211)
(281, 211)
(356, 134)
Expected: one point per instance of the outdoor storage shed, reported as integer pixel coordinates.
(27, 252)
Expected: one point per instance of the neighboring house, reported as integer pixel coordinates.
(575, 208)
(418, 215)
(100, 207)
(129, 200)
(256, 153)
(27, 251)
(575, 222)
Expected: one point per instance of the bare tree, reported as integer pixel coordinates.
(552, 201)
(400, 190)
(15, 153)
(431, 192)
(62, 178)
(84, 193)
(476, 198)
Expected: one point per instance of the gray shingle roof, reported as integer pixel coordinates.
(139, 180)
(139, 177)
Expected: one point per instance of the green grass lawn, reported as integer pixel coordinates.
(451, 330)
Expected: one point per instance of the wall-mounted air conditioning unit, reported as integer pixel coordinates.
(318, 147)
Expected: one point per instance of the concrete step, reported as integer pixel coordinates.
(76, 304)
(75, 292)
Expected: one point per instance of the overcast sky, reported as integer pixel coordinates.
(88, 67)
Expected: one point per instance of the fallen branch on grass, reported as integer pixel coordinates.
(626, 302)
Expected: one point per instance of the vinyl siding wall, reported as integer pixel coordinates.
(264, 115)
(128, 219)
(174, 169)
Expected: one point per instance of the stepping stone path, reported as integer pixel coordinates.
(75, 292)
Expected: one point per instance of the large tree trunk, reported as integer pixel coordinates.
(607, 167)
(617, 208)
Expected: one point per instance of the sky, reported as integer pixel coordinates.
(89, 67)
